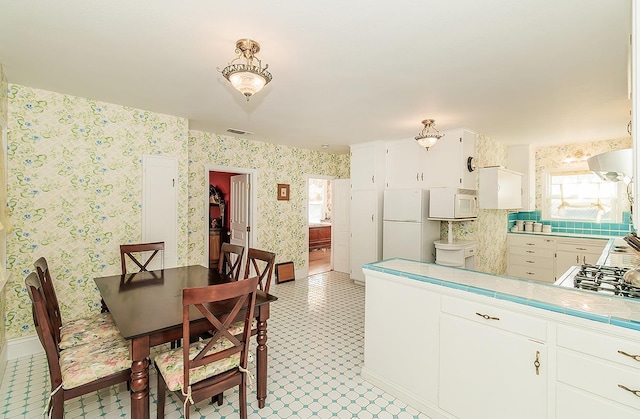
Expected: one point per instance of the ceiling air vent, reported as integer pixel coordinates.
(239, 131)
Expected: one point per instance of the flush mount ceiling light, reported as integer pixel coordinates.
(429, 134)
(247, 78)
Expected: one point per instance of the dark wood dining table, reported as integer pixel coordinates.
(147, 308)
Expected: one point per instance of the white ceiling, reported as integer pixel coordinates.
(344, 72)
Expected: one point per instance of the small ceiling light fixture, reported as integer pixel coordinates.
(427, 138)
(247, 78)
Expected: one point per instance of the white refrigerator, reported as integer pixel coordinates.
(406, 231)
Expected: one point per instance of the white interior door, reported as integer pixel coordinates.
(160, 206)
(239, 213)
(340, 232)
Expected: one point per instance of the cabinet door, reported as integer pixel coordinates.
(364, 231)
(566, 259)
(577, 252)
(445, 163)
(403, 164)
(401, 336)
(363, 167)
(489, 370)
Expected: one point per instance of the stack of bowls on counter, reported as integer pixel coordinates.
(530, 226)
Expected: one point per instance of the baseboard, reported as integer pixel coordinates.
(402, 394)
(21, 347)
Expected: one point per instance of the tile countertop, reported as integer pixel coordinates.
(619, 311)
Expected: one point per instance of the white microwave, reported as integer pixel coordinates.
(452, 203)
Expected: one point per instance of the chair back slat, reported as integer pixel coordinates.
(260, 263)
(139, 255)
(239, 299)
(50, 297)
(230, 261)
(44, 328)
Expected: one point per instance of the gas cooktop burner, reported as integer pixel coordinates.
(605, 279)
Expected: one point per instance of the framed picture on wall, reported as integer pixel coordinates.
(283, 192)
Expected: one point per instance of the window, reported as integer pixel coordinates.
(582, 196)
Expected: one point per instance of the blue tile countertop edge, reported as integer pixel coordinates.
(618, 311)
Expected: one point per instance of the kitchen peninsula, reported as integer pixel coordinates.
(455, 343)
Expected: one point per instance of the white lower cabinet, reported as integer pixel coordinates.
(531, 257)
(595, 378)
(399, 350)
(571, 252)
(488, 362)
(454, 354)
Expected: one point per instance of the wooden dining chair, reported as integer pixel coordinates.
(99, 326)
(139, 255)
(230, 262)
(260, 263)
(204, 369)
(80, 369)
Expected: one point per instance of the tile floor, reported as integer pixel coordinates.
(315, 341)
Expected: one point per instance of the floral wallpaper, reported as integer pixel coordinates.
(75, 190)
(489, 229)
(75, 183)
(277, 220)
(3, 197)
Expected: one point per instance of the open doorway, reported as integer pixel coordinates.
(229, 209)
(320, 223)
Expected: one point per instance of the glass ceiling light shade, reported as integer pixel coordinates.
(247, 78)
(429, 134)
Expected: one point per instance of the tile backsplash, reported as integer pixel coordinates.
(576, 227)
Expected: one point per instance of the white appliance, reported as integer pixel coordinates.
(406, 231)
(452, 203)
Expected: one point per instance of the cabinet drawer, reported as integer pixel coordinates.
(531, 251)
(535, 273)
(573, 403)
(530, 241)
(531, 260)
(599, 377)
(579, 248)
(497, 317)
(470, 251)
(599, 345)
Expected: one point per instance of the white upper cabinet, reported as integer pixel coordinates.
(405, 164)
(521, 158)
(367, 166)
(499, 188)
(445, 164)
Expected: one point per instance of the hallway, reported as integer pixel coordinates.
(319, 261)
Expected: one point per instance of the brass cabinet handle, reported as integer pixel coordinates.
(417, 176)
(529, 251)
(536, 363)
(635, 392)
(634, 357)
(487, 317)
